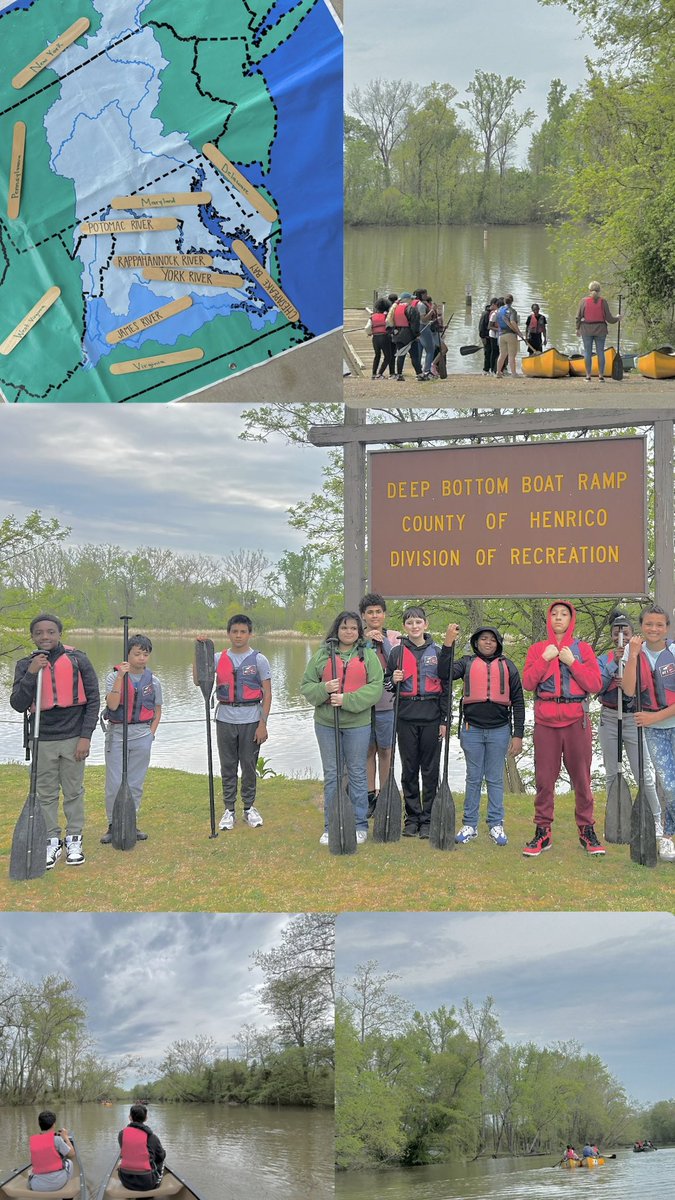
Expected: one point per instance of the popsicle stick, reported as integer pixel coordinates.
(128, 225)
(162, 260)
(151, 318)
(155, 360)
(206, 278)
(239, 181)
(265, 280)
(52, 51)
(16, 170)
(161, 199)
(38, 310)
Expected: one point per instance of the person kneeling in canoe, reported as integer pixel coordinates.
(51, 1156)
(142, 1158)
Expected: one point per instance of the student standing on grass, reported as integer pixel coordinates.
(422, 713)
(656, 653)
(143, 714)
(353, 693)
(244, 694)
(68, 716)
(491, 724)
(373, 610)
(562, 672)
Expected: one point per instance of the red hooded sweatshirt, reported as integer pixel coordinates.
(550, 680)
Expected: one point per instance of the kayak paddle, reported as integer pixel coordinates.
(464, 350)
(28, 858)
(341, 823)
(617, 366)
(642, 829)
(206, 673)
(387, 818)
(619, 800)
(442, 824)
(124, 810)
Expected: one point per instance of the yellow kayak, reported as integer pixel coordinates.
(658, 364)
(578, 363)
(550, 364)
(570, 1163)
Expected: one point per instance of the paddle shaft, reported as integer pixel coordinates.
(619, 707)
(209, 758)
(32, 790)
(125, 729)
(390, 776)
(205, 672)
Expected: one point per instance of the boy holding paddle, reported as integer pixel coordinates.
(373, 609)
(68, 715)
(143, 714)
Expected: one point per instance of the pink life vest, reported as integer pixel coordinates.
(486, 681)
(400, 316)
(62, 685)
(135, 1156)
(594, 310)
(44, 1156)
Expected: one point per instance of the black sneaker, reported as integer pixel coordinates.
(410, 829)
(588, 840)
(107, 837)
(541, 841)
(141, 837)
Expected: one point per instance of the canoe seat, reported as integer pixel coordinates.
(18, 1189)
(170, 1186)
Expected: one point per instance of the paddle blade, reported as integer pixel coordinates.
(205, 666)
(341, 825)
(643, 833)
(28, 858)
(469, 349)
(388, 811)
(442, 824)
(618, 813)
(123, 819)
(617, 368)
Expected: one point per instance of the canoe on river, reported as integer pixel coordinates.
(570, 1163)
(172, 1185)
(578, 363)
(550, 364)
(658, 364)
(15, 1187)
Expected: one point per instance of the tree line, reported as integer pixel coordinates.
(417, 1087)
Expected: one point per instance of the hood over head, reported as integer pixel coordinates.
(568, 635)
(473, 641)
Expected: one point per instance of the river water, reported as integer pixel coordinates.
(226, 1152)
(630, 1175)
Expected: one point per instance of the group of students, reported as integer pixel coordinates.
(499, 331)
(406, 324)
(588, 1151)
(362, 665)
(52, 1153)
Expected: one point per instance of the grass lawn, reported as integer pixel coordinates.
(281, 867)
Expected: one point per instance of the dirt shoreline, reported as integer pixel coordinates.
(479, 391)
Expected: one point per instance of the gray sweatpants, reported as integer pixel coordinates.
(237, 748)
(608, 736)
(138, 763)
(58, 770)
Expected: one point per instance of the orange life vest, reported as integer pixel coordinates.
(594, 310)
(62, 685)
(486, 681)
(352, 676)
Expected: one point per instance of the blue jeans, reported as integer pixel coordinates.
(485, 752)
(599, 339)
(354, 752)
(427, 344)
(661, 746)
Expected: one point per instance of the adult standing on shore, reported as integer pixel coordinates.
(509, 332)
(593, 316)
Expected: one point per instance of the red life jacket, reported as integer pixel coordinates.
(135, 1156)
(420, 675)
(62, 685)
(657, 684)
(238, 685)
(487, 681)
(44, 1156)
(563, 687)
(352, 676)
(378, 322)
(383, 649)
(401, 317)
(140, 701)
(594, 310)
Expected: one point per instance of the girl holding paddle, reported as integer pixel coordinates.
(352, 689)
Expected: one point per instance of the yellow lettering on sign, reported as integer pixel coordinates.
(408, 489)
(600, 480)
(541, 483)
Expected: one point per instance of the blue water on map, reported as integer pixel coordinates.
(17, 5)
(305, 78)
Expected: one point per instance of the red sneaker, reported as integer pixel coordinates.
(588, 840)
(540, 842)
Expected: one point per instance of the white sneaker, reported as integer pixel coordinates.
(498, 835)
(667, 849)
(53, 852)
(252, 817)
(361, 836)
(227, 819)
(323, 840)
(74, 855)
(466, 834)
(658, 827)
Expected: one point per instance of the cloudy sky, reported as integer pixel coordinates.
(149, 979)
(606, 980)
(446, 41)
(173, 477)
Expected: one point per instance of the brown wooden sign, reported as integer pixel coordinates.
(548, 519)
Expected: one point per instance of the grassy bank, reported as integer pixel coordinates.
(281, 867)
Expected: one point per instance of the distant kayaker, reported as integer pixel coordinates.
(51, 1156)
(571, 1154)
(590, 1151)
(593, 316)
(142, 1154)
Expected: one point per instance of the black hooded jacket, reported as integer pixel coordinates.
(488, 715)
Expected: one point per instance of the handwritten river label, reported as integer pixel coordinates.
(128, 225)
(162, 260)
(52, 51)
(161, 200)
(206, 278)
(156, 360)
(239, 181)
(16, 170)
(38, 310)
(265, 280)
(150, 319)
